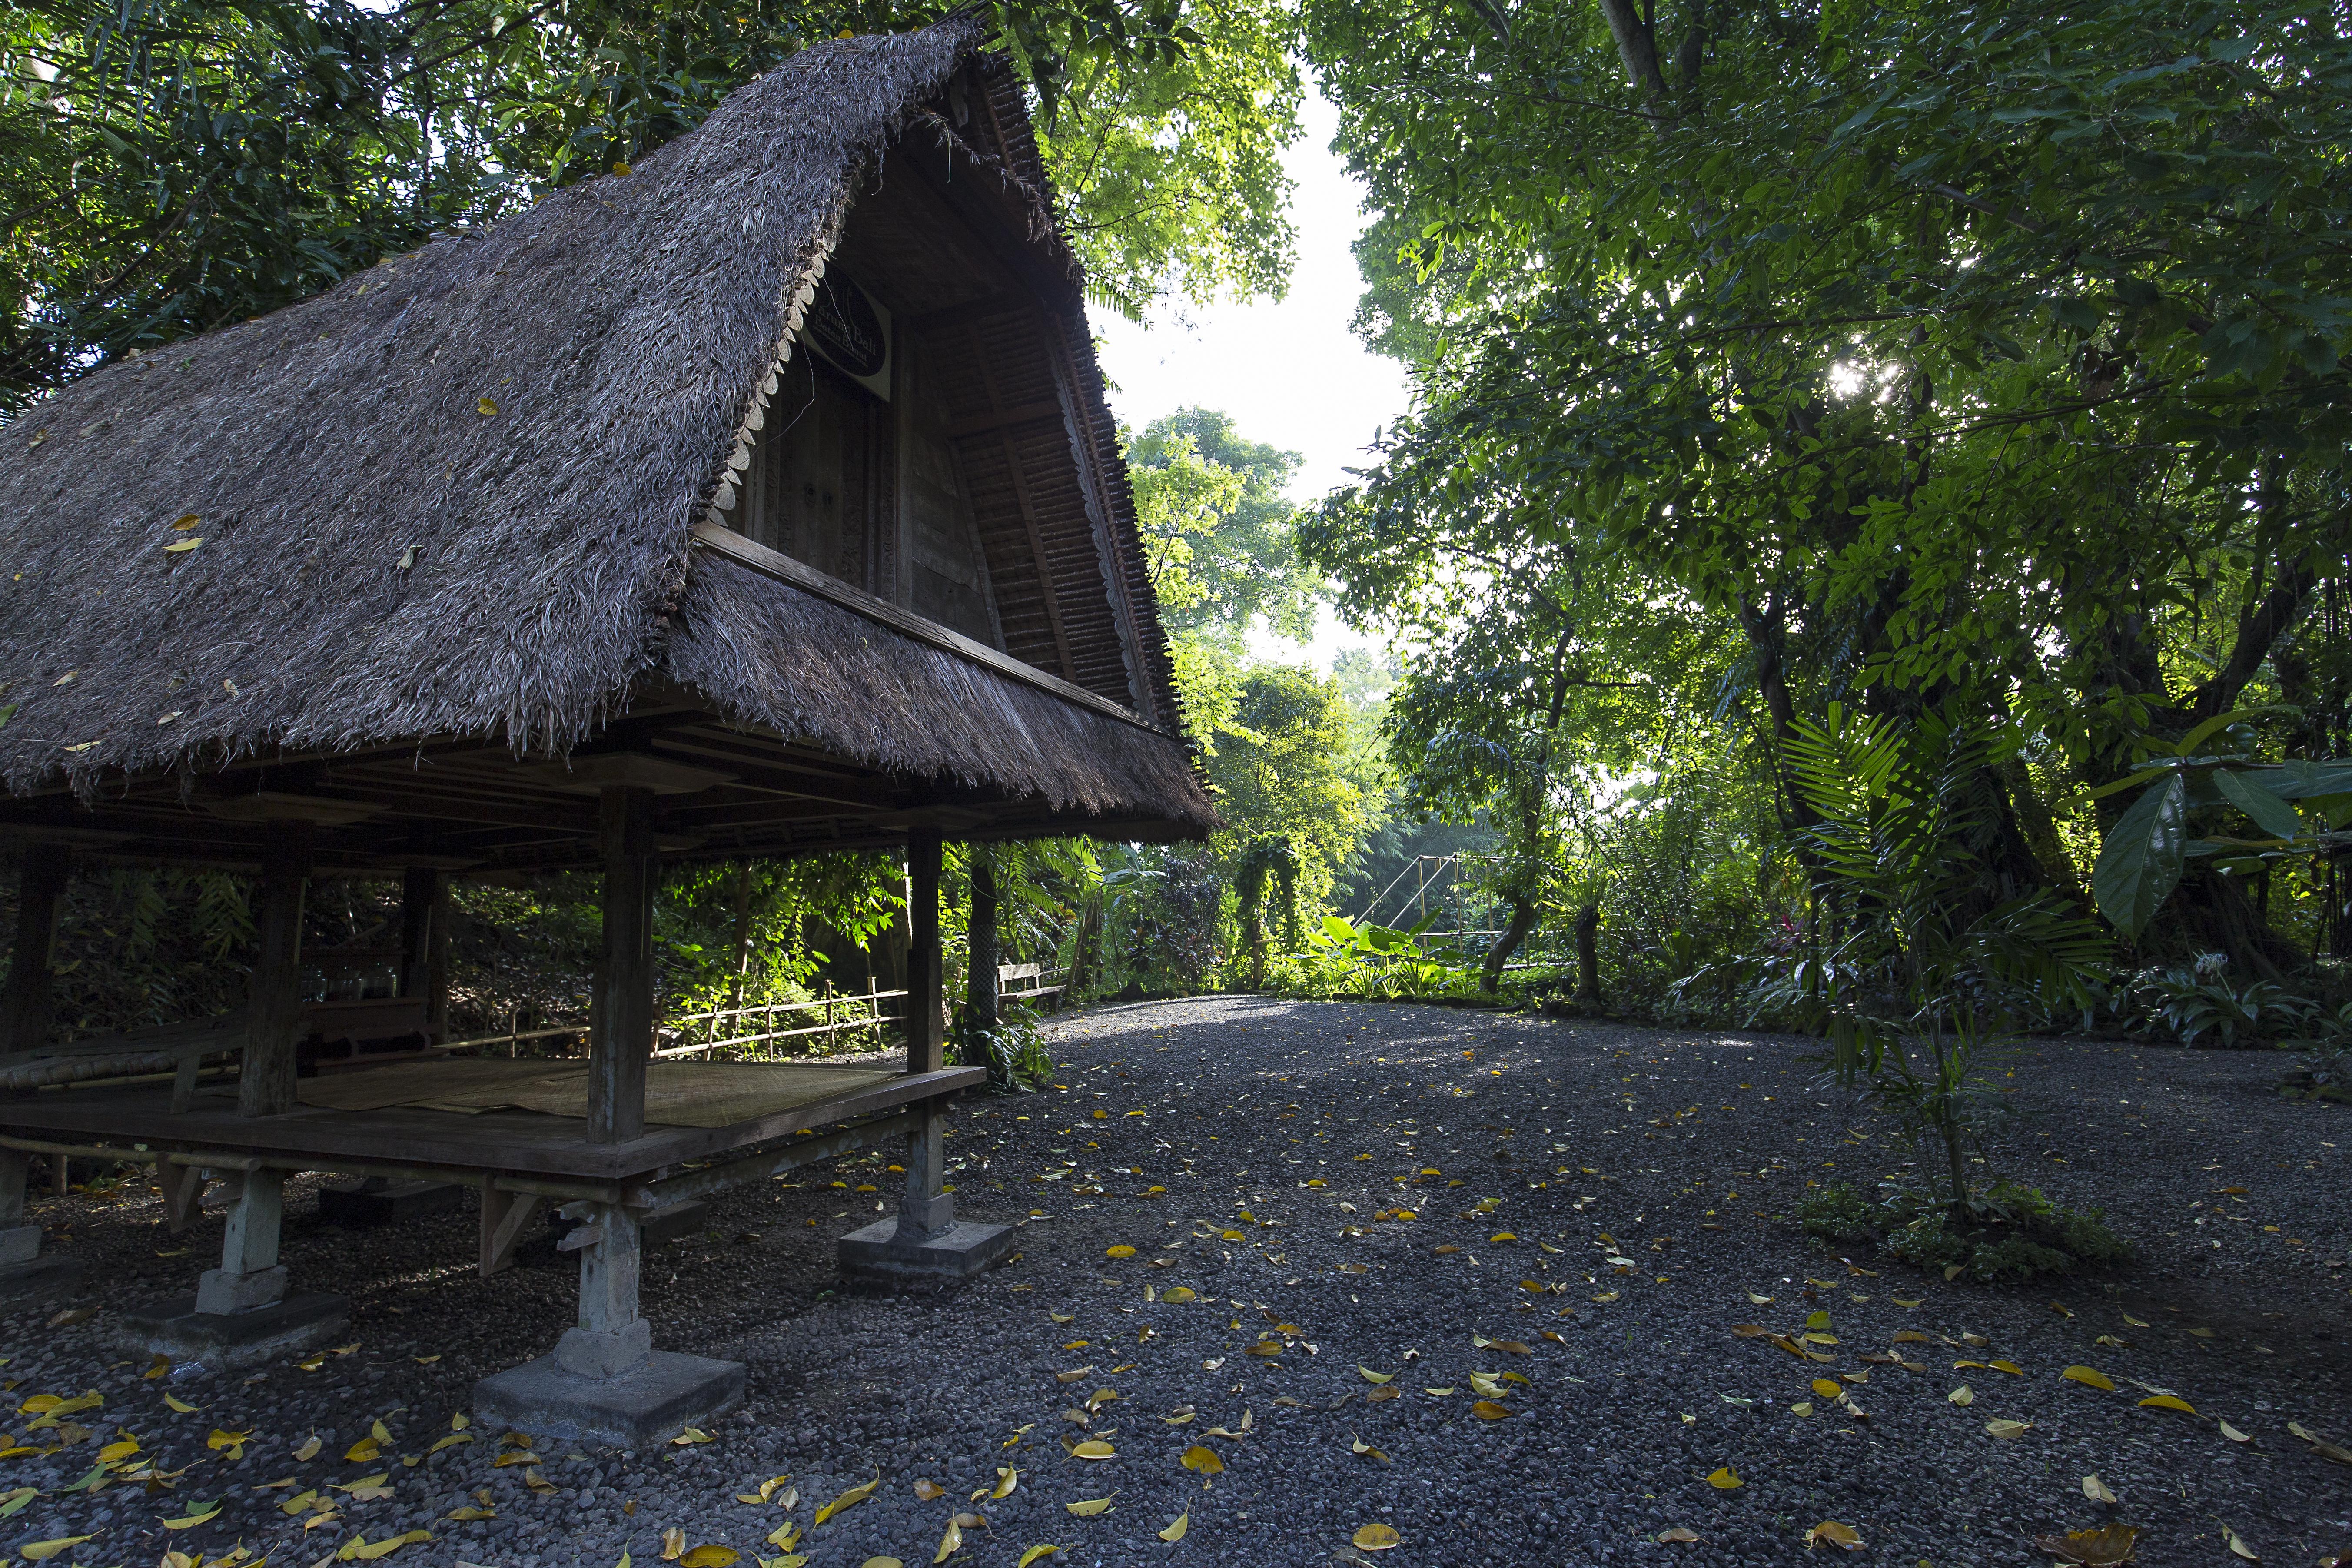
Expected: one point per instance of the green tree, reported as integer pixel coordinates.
(1279, 775)
(169, 165)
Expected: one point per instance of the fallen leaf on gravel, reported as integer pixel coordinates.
(2239, 1545)
(1094, 1449)
(2090, 1375)
(2009, 1367)
(1376, 1538)
(1375, 1395)
(2233, 1434)
(1074, 1375)
(186, 1521)
(1831, 1532)
(449, 1441)
(1034, 1553)
(1180, 1294)
(673, 1545)
(1606, 1297)
(929, 1490)
(690, 1436)
(1909, 1336)
(1677, 1535)
(1804, 1409)
(1725, 1480)
(953, 1542)
(2098, 1491)
(1448, 1250)
(1963, 1395)
(1750, 1330)
(1121, 1250)
(1818, 1339)
(2106, 1547)
(1089, 1508)
(470, 1514)
(850, 1499)
(2112, 1342)
(712, 1556)
(181, 1406)
(1372, 1376)
(1204, 1460)
(2007, 1430)
(1357, 1445)
(1487, 1410)
(2135, 1322)
(1007, 1479)
(2168, 1402)
(42, 1550)
(1176, 1527)
(878, 1563)
(1063, 1317)
(360, 1452)
(1828, 1390)
(786, 1536)
(1901, 1303)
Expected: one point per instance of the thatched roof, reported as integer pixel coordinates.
(453, 495)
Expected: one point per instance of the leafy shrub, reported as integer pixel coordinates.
(2325, 1036)
(2197, 1005)
(1014, 1052)
(2016, 1233)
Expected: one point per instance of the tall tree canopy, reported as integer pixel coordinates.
(1958, 358)
(168, 165)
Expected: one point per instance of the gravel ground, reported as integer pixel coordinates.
(1370, 1189)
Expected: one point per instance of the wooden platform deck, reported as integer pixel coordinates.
(517, 1142)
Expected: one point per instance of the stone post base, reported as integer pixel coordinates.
(875, 1256)
(233, 1341)
(635, 1410)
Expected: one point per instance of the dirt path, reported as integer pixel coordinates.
(1261, 1156)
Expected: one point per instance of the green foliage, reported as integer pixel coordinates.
(171, 165)
(1268, 860)
(1014, 1052)
(1280, 776)
(2197, 1005)
(1922, 966)
(1217, 528)
(2018, 1233)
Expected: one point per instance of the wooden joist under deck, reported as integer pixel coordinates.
(522, 1142)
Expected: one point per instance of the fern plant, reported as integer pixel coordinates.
(1917, 967)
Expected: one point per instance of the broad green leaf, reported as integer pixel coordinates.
(2140, 863)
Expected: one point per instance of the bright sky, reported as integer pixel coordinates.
(1290, 372)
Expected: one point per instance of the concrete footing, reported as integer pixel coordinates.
(47, 1278)
(635, 1410)
(233, 1341)
(875, 1256)
(388, 1203)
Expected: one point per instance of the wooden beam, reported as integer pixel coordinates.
(1007, 418)
(768, 562)
(926, 1048)
(621, 1026)
(273, 1008)
(505, 1216)
(425, 944)
(979, 928)
(27, 1012)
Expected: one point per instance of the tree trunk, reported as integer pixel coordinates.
(743, 931)
(981, 999)
(1515, 931)
(1588, 955)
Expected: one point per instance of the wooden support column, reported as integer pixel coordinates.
(250, 1275)
(425, 944)
(612, 1339)
(505, 1216)
(621, 1036)
(981, 1002)
(25, 1013)
(19, 1242)
(273, 1008)
(925, 1046)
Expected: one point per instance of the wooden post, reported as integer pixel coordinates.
(623, 1035)
(273, 1008)
(26, 1014)
(19, 1242)
(425, 944)
(250, 1275)
(926, 1048)
(612, 1339)
(981, 986)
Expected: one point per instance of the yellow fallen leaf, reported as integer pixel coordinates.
(1094, 1449)
(114, 1451)
(850, 1499)
(1677, 1535)
(929, 1490)
(873, 1563)
(1901, 1303)
(673, 1543)
(2232, 1432)
(1828, 1390)
(2168, 1402)
(1180, 1294)
(364, 1451)
(42, 1550)
(1487, 1410)
(1725, 1480)
(2096, 1490)
(1034, 1553)
(484, 407)
(1372, 1376)
(1088, 1508)
(2008, 1430)
(189, 1521)
(2106, 1547)
(951, 1543)
(449, 1440)
(1376, 1538)
(1204, 1460)
(711, 1556)
(469, 1514)
(2008, 1367)
(1121, 1250)
(1006, 1479)
(2133, 1321)
(1175, 1530)
(2090, 1375)
(1831, 1532)
(786, 1536)
(1803, 1408)
(2239, 1545)
(309, 1448)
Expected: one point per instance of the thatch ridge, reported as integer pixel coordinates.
(449, 496)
